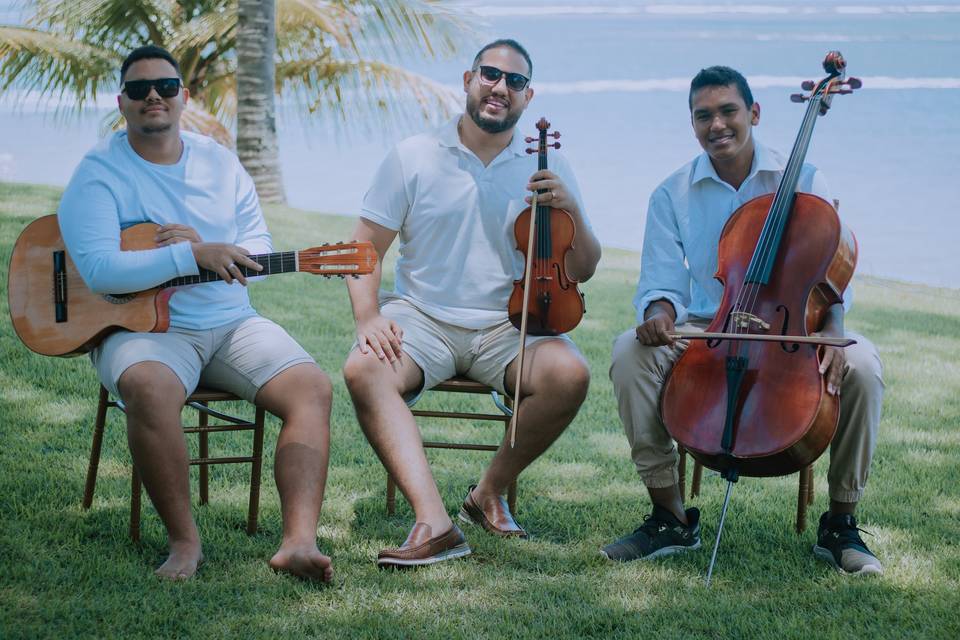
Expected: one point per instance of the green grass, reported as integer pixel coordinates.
(65, 572)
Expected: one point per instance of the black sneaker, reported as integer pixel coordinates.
(660, 535)
(839, 544)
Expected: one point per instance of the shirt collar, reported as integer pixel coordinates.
(763, 160)
(450, 137)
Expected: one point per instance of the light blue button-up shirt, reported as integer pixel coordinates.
(685, 217)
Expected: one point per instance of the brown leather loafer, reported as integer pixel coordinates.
(420, 548)
(494, 516)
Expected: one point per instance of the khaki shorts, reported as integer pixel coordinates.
(444, 350)
(239, 357)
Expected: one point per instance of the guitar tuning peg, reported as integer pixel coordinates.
(339, 242)
(807, 85)
(354, 276)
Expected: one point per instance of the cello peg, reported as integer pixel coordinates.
(555, 134)
(853, 83)
(807, 85)
(798, 97)
(531, 150)
(555, 145)
(529, 139)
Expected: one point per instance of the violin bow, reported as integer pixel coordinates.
(762, 337)
(523, 320)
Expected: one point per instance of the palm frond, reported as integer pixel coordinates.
(366, 96)
(54, 65)
(397, 29)
(317, 18)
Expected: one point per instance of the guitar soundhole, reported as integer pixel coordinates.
(119, 298)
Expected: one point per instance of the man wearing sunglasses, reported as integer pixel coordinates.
(453, 195)
(209, 217)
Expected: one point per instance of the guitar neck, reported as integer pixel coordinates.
(280, 262)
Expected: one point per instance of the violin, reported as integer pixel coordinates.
(748, 397)
(545, 301)
(554, 304)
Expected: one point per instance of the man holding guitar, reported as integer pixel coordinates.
(452, 195)
(210, 219)
(677, 289)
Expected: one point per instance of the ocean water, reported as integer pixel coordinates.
(613, 78)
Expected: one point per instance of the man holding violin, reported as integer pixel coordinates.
(677, 290)
(452, 195)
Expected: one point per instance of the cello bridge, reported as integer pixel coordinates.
(747, 322)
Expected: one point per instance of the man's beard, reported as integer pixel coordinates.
(163, 128)
(490, 126)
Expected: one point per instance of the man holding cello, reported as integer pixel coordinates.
(452, 195)
(677, 291)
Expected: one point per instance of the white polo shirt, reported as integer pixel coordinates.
(455, 217)
(685, 217)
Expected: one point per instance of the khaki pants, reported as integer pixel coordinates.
(638, 373)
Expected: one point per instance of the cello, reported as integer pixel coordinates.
(545, 301)
(747, 396)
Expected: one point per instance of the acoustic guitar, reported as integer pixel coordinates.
(55, 314)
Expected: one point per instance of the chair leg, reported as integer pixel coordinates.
(512, 497)
(391, 495)
(803, 495)
(697, 476)
(810, 485)
(202, 422)
(94, 465)
(682, 470)
(256, 468)
(134, 505)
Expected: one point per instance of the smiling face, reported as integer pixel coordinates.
(152, 115)
(723, 123)
(495, 108)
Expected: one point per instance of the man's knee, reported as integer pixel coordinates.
(151, 388)
(630, 358)
(302, 389)
(566, 374)
(864, 370)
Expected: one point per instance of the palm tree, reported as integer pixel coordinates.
(333, 57)
(256, 120)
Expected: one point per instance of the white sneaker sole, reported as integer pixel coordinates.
(457, 552)
(659, 553)
(824, 554)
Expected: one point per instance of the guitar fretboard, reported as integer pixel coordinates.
(280, 262)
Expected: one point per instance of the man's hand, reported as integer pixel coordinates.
(223, 258)
(383, 335)
(173, 233)
(831, 366)
(655, 330)
(556, 195)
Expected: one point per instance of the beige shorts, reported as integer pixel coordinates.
(239, 357)
(444, 350)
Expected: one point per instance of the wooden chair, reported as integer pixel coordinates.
(198, 400)
(804, 492)
(463, 385)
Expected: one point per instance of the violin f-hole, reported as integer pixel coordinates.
(783, 330)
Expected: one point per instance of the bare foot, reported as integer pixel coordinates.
(182, 562)
(304, 561)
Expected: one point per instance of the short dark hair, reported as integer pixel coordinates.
(148, 52)
(505, 42)
(720, 76)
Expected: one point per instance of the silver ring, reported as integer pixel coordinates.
(553, 194)
(232, 265)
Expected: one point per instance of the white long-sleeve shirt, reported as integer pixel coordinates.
(114, 188)
(685, 217)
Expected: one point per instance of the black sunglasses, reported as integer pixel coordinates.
(492, 75)
(140, 89)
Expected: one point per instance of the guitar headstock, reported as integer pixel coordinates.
(339, 259)
(835, 83)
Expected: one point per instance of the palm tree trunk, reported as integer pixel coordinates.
(256, 117)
